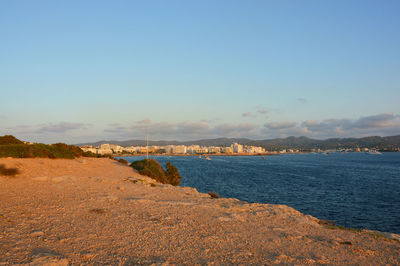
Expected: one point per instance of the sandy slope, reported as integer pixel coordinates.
(88, 211)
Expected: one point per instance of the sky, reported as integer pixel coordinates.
(82, 71)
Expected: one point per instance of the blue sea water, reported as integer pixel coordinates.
(353, 189)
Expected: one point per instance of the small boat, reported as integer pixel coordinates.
(199, 156)
(373, 152)
(207, 158)
(263, 157)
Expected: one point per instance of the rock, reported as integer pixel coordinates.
(37, 233)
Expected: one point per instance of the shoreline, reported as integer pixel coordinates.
(96, 210)
(231, 154)
(196, 155)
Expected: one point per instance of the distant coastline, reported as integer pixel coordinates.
(387, 143)
(196, 155)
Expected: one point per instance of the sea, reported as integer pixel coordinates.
(354, 190)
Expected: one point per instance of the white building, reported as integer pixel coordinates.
(237, 148)
(227, 150)
(89, 148)
(180, 149)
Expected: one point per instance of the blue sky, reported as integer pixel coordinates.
(77, 71)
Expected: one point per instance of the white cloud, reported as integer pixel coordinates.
(49, 133)
(280, 125)
(384, 124)
(61, 127)
(262, 111)
(302, 100)
(381, 124)
(247, 114)
(184, 130)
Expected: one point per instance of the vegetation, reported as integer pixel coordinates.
(8, 171)
(213, 195)
(173, 175)
(8, 139)
(153, 169)
(12, 147)
(123, 161)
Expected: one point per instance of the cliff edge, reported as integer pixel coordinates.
(96, 210)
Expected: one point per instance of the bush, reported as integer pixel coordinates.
(13, 147)
(123, 161)
(8, 171)
(8, 139)
(36, 150)
(173, 174)
(153, 169)
(213, 195)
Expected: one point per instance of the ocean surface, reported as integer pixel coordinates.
(353, 189)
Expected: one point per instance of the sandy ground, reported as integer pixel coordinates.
(98, 211)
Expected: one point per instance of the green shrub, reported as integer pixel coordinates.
(13, 147)
(213, 195)
(173, 175)
(8, 171)
(63, 148)
(8, 139)
(123, 161)
(36, 150)
(153, 169)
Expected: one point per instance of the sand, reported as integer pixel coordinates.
(98, 211)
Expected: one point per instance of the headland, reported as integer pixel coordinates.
(99, 211)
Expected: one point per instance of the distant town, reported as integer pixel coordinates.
(234, 149)
(174, 149)
(243, 146)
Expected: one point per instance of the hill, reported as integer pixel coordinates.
(15, 148)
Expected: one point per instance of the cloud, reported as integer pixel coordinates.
(236, 130)
(247, 114)
(213, 120)
(384, 120)
(302, 100)
(115, 124)
(144, 122)
(325, 125)
(385, 124)
(50, 133)
(183, 130)
(262, 111)
(280, 125)
(380, 124)
(61, 127)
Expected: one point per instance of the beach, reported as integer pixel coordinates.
(96, 210)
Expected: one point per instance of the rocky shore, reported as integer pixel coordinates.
(99, 211)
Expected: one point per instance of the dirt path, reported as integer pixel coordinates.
(89, 211)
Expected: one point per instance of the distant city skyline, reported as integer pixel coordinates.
(74, 72)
